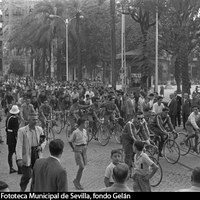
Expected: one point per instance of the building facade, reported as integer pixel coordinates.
(12, 12)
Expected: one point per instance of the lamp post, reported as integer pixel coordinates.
(156, 56)
(66, 22)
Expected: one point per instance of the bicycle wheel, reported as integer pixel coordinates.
(117, 133)
(157, 177)
(184, 146)
(89, 132)
(171, 151)
(103, 135)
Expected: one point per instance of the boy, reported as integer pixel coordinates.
(116, 156)
(142, 174)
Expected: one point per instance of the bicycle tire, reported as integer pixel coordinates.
(89, 133)
(171, 151)
(157, 177)
(103, 135)
(184, 147)
(117, 133)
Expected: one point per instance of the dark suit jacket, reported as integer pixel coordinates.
(173, 107)
(49, 176)
(179, 103)
(186, 106)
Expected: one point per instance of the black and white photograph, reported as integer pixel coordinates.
(99, 98)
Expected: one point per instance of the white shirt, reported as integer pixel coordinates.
(142, 164)
(55, 158)
(109, 172)
(193, 119)
(157, 109)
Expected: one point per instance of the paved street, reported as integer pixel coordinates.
(174, 176)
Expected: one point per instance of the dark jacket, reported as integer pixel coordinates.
(186, 106)
(12, 126)
(179, 103)
(173, 107)
(49, 176)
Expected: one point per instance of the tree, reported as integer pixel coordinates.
(143, 12)
(16, 67)
(37, 31)
(179, 38)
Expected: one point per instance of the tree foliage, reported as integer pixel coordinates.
(16, 67)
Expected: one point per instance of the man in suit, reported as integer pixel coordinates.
(48, 174)
(179, 104)
(186, 108)
(172, 109)
(28, 139)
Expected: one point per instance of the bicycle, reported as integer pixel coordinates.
(171, 150)
(186, 147)
(49, 130)
(110, 129)
(61, 120)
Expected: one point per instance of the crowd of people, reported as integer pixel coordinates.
(24, 102)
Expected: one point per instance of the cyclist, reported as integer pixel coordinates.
(94, 111)
(54, 103)
(157, 126)
(192, 127)
(45, 113)
(75, 112)
(110, 109)
(133, 131)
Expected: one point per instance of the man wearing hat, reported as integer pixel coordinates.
(30, 144)
(12, 126)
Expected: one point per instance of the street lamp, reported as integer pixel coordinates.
(66, 22)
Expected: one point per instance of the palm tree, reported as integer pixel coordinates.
(39, 30)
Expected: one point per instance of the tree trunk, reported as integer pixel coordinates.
(113, 42)
(145, 66)
(184, 68)
(78, 47)
(43, 62)
(177, 74)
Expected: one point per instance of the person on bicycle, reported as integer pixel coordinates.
(45, 113)
(110, 109)
(94, 111)
(133, 131)
(157, 126)
(75, 112)
(192, 126)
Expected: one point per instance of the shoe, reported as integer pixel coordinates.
(1, 141)
(77, 185)
(12, 170)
